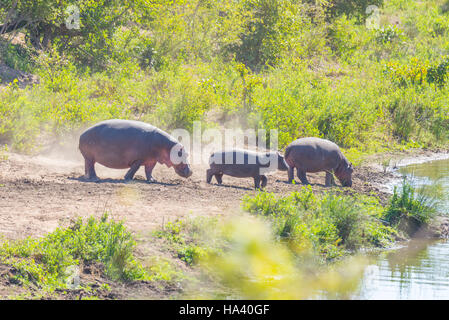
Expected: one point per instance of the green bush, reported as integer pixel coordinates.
(409, 208)
(44, 262)
(437, 74)
(356, 8)
(404, 121)
(16, 56)
(328, 224)
(190, 240)
(345, 38)
(345, 215)
(259, 43)
(388, 34)
(413, 73)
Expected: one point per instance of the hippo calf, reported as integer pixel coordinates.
(122, 144)
(314, 155)
(244, 164)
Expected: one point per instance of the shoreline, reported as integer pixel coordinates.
(373, 165)
(384, 178)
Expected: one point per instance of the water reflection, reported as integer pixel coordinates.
(434, 177)
(433, 170)
(418, 271)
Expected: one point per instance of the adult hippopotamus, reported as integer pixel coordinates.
(314, 155)
(122, 144)
(244, 164)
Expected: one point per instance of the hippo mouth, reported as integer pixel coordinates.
(347, 184)
(283, 166)
(184, 171)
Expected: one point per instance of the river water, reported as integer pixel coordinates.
(419, 270)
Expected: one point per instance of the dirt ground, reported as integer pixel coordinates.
(38, 194)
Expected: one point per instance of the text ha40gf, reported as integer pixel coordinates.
(226, 309)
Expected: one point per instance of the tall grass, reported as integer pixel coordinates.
(411, 205)
(328, 224)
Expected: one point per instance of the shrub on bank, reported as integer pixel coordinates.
(410, 209)
(48, 262)
(327, 224)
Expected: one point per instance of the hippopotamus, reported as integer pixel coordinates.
(314, 155)
(122, 144)
(244, 164)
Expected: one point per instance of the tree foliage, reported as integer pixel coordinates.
(84, 27)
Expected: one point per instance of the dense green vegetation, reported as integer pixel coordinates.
(191, 240)
(327, 224)
(303, 67)
(50, 263)
(291, 240)
(235, 261)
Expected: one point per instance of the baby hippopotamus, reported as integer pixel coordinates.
(244, 164)
(314, 155)
(122, 144)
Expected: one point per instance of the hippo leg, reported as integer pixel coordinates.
(329, 179)
(264, 181)
(257, 180)
(89, 170)
(290, 174)
(209, 174)
(149, 171)
(132, 171)
(219, 177)
(302, 176)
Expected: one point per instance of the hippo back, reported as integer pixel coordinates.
(125, 131)
(313, 154)
(117, 143)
